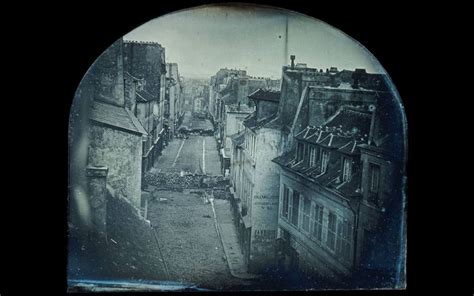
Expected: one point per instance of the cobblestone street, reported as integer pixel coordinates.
(190, 244)
(183, 219)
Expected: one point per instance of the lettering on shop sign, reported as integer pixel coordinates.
(264, 234)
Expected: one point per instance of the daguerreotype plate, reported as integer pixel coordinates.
(236, 148)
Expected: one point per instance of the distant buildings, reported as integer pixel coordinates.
(331, 140)
(198, 105)
(229, 92)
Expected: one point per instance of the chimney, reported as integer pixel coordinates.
(357, 76)
(292, 58)
(97, 182)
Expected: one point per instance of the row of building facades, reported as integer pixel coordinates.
(316, 168)
(130, 104)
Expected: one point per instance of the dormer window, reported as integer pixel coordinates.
(313, 156)
(346, 170)
(324, 161)
(300, 152)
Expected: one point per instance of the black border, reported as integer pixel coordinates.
(71, 36)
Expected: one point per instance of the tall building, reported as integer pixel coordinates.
(146, 61)
(254, 176)
(321, 123)
(174, 98)
(113, 136)
(340, 181)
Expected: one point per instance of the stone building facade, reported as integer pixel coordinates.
(233, 117)
(335, 191)
(316, 111)
(116, 143)
(253, 178)
(110, 147)
(146, 61)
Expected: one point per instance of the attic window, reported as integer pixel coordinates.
(313, 155)
(346, 170)
(300, 152)
(324, 161)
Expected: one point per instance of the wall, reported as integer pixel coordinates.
(325, 101)
(121, 153)
(130, 88)
(264, 209)
(266, 109)
(291, 90)
(146, 60)
(321, 260)
(233, 125)
(174, 95)
(106, 76)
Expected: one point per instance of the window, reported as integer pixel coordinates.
(374, 173)
(346, 170)
(324, 161)
(286, 197)
(300, 152)
(331, 237)
(344, 239)
(306, 213)
(295, 204)
(312, 156)
(317, 222)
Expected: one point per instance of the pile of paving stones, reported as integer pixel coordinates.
(177, 181)
(172, 181)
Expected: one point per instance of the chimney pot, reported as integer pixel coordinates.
(292, 58)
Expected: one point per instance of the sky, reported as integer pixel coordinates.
(205, 39)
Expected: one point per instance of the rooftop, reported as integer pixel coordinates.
(265, 95)
(350, 119)
(252, 123)
(330, 179)
(115, 116)
(141, 42)
(144, 96)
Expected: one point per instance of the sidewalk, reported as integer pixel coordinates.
(230, 242)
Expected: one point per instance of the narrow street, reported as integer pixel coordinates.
(185, 222)
(195, 155)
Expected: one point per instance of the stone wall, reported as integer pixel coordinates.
(106, 76)
(97, 191)
(107, 148)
